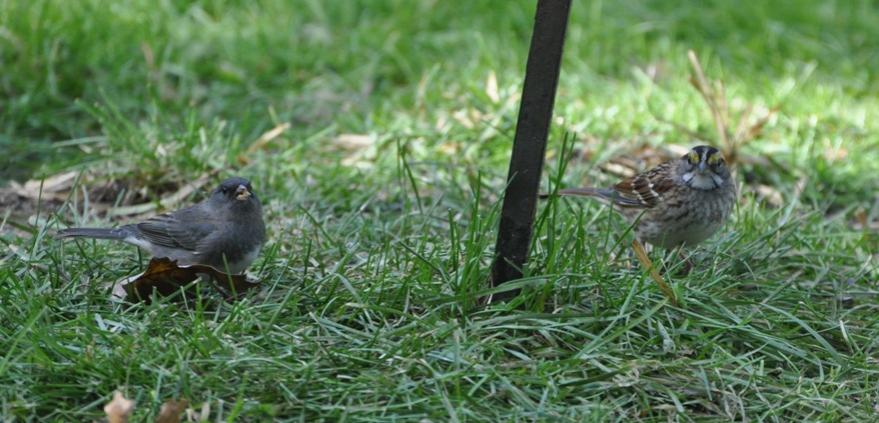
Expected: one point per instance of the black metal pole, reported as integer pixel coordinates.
(529, 145)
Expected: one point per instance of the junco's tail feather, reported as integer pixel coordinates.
(98, 233)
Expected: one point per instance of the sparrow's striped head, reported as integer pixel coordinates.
(704, 168)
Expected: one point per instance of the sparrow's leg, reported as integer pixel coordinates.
(641, 253)
(688, 264)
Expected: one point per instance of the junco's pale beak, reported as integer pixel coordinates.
(242, 193)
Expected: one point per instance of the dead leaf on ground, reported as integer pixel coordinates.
(55, 187)
(104, 192)
(862, 222)
(165, 277)
(199, 416)
(46, 194)
(641, 158)
(491, 89)
(835, 154)
(769, 194)
(656, 71)
(355, 149)
(171, 411)
(119, 408)
(167, 202)
(861, 216)
(619, 170)
(263, 141)
(353, 141)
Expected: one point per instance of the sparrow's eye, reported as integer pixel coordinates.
(715, 159)
(693, 157)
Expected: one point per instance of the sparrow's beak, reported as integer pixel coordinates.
(701, 167)
(242, 193)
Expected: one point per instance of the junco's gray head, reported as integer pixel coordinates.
(237, 193)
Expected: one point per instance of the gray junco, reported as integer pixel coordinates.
(226, 231)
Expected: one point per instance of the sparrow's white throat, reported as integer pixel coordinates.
(704, 181)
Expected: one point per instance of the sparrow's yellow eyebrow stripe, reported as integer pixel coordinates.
(693, 157)
(714, 159)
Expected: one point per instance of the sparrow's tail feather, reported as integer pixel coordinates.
(583, 192)
(98, 233)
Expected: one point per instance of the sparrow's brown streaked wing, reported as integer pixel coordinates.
(645, 190)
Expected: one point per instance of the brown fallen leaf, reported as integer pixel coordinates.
(862, 221)
(167, 202)
(769, 194)
(55, 187)
(491, 89)
(263, 141)
(165, 277)
(619, 170)
(171, 411)
(353, 141)
(640, 158)
(119, 408)
(202, 415)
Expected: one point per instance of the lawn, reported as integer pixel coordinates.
(377, 135)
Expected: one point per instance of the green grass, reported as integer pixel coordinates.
(377, 254)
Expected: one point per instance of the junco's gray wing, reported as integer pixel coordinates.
(184, 229)
(165, 231)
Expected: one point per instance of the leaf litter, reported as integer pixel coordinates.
(164, 277)
(119, 410)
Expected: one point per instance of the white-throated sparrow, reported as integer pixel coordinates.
(679, 202)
